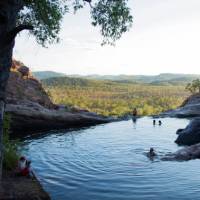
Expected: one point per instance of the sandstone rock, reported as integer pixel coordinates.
(29, 117)
(24, 71)
(184, 154)
(32, 110)
(191, 134)
(20, 90)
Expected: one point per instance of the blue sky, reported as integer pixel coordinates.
(165, 37)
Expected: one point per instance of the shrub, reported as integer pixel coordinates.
(11, 154)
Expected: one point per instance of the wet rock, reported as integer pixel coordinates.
(184, 154)
(191, 134)
(179, 131)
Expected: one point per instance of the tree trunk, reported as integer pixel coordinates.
(8, 15)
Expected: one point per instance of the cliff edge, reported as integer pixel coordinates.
(32, 110)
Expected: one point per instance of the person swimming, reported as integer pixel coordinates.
(151, 153)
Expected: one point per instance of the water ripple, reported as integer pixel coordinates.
(108, 162)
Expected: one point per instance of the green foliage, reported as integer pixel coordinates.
(113, 98)
(193, 87)
(113, 17)
(11, 154)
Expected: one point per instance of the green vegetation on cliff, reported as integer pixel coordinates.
(114, 98)
(11, 154)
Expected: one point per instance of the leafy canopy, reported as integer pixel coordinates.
(111, 16)
(194, 86)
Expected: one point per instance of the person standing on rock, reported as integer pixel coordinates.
(134, 113)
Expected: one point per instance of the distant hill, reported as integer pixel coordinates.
(81, 82)
(47, 74)
(161, 79)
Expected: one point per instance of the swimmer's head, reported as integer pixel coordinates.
(151, 150)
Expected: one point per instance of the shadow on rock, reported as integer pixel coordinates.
(185, 154)
(190, 135)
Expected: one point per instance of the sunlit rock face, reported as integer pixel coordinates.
(23, 88)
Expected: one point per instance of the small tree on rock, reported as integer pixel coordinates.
(193, 87)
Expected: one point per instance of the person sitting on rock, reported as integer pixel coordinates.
(134, 112)
(27, 171)
(21, 165)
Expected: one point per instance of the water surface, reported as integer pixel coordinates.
(108, 162)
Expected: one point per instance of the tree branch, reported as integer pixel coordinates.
(89, 1)
(10, 36)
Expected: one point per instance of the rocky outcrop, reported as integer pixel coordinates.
(20, 90)
(189, 108)
(184, 154)
(28, 117)
(32, 110)
(21, 188)
(191, 134)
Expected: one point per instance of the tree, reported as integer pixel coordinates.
(43, 19)
(193, 87)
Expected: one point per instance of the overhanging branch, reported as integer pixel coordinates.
(10, 36)
(89, 1)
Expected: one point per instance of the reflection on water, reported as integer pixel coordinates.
(108, 162)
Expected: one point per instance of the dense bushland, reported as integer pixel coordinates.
(114, 98)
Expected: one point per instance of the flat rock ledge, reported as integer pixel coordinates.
(189, 108)
(21, 188)
(187, 111)
(32, 117)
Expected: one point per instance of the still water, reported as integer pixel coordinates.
(108, 162)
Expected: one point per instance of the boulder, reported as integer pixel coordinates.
(191, 134)
(24, 71)
(30, 117)
(184, 154)
(20, 90)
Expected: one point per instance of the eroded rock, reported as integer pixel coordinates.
(184, 154)
(190, 135)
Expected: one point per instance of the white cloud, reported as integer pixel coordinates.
(164, 38)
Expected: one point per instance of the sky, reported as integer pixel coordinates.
(164, 38)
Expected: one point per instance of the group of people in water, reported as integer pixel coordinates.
(151, 154)
(159, 122)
